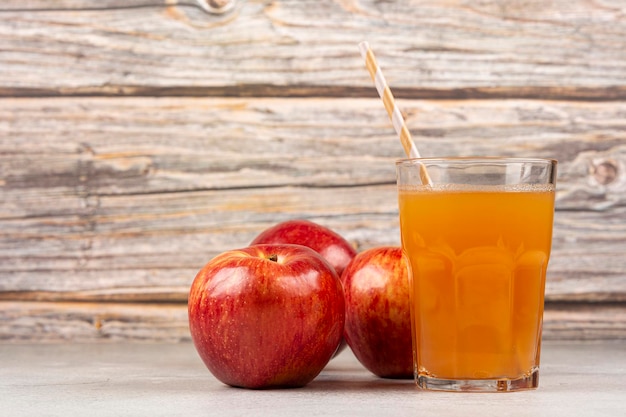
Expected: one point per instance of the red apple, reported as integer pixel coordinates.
(334, 248)
(266, 316)
(378, 317)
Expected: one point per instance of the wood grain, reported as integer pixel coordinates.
(140, 138)
(126, 199)
(84, 322)
(457, 49)
(142, 145)
(116, 322)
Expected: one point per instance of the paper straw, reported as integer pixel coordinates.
(393, 111)
(385, 94)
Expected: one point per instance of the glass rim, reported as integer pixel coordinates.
(475, 160)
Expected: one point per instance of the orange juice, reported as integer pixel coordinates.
(478, 259)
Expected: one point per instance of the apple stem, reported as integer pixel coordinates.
(273, 257)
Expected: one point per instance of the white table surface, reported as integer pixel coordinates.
(576, 379)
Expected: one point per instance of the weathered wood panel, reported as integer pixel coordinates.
(107, 200)
(139, 145)
(115, 322)
(125, 199)
(151, 246)
(84, 322)
(460, 48)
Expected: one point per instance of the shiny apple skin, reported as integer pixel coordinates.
(378, 317)
(259, 323)
(332, 246)
(337, 251)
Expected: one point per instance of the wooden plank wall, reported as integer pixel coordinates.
(140, 138)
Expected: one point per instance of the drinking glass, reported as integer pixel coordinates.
(477, 233)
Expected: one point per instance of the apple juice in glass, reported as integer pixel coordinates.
(477, 234)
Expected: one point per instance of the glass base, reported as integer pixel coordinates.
(479, 385)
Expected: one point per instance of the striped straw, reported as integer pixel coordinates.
(385, 94)
(393, 111)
